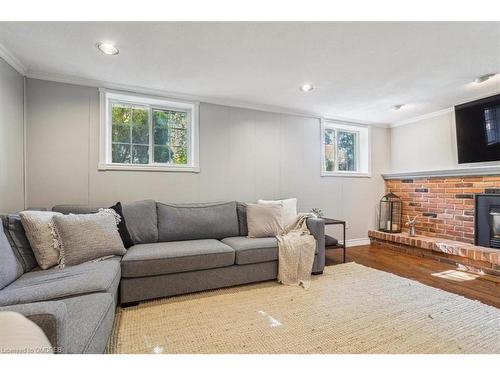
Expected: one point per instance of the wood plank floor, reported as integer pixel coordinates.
(485, 289)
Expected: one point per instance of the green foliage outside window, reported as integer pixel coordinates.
(340, 150)
(346, 151)
(170, 136)
(130, 135)
(330, 146)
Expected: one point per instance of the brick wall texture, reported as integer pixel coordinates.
(445, 205)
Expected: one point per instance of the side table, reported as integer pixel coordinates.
(329, 221)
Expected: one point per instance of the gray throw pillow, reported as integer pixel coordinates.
(87, 237)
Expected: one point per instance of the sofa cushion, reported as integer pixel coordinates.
(172, 257)
(10, 267)
(178, 222)
(142, 221)
(76, 209)
(55, 283)
(16, 235)
(89, 322)
(253, 250)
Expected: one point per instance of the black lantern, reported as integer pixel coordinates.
(390, 215)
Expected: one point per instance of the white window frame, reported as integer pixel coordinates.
(107, 97)
(362, 152)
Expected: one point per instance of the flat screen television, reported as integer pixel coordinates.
(478, 130)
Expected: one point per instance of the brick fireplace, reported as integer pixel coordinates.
(445, 205)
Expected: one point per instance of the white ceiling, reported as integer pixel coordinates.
(360, 70)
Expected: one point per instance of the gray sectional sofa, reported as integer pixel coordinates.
(177, 249)
(75, 306)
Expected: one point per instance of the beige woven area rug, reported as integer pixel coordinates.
(349, 309)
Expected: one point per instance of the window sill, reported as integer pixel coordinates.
(147, 168)
(345, 174)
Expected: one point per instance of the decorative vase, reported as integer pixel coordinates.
(411, 226)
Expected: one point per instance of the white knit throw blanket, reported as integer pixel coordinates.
(296, 253)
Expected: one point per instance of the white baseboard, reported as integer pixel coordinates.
(358, 242)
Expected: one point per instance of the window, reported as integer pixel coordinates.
(345, 149)
(147, 133)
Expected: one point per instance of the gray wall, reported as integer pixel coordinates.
(424, 145)
(244, 155)
(427, 144)
(11, 139)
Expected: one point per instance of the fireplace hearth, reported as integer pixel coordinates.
(488, 220)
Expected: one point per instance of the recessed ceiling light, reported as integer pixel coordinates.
(484, 77)
(306, 87)
(107, 48)
(398, 107)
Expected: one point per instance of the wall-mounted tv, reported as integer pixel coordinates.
(478, 130)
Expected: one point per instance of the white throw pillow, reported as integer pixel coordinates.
(264, 220)
(37, 227)
(289, 209)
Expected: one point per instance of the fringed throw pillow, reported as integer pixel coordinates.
(86, 237)
(37, 227)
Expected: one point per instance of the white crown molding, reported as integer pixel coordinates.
(12, 60)
(348, 121)
(422, 117)
(74, 80)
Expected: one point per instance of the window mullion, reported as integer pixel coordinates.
(131, 124)
(336, 150)
(356, 150)
(151, 143)
(109, 132)
(189, 140)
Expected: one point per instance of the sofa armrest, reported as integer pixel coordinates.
(50, 316)
(317, 228)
